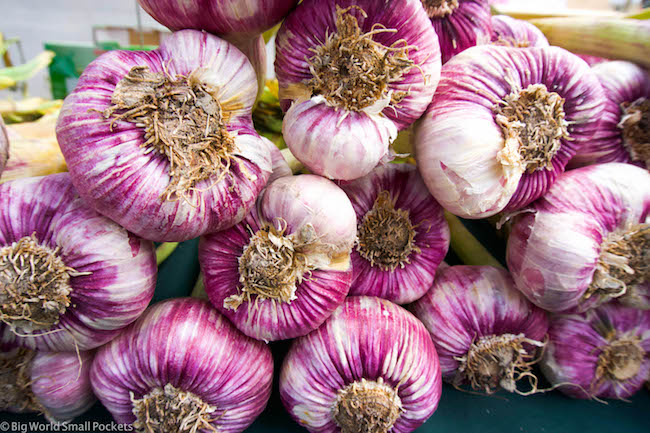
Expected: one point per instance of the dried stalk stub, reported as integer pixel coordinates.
(599, 354)
(35, 285)
(171, 152)
(369, 75)
(497, 333)
(283, 270)
(386, 391)
(182, 121)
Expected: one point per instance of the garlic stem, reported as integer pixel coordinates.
(295, 165)
(164, 250)
(612, 38)
(466, 246)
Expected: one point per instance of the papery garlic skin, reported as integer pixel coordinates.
(56, 384)
(623, 83)
(327, 131)
(555, 247)
(129, 183)
(112, 276)
(396, 351)
(465, 159)
(223, 17)
(279, 165)
(358, 137)
(459, 24)
(512, 32)
(300, 209)
(187, 344)
(576, 352)
(61, 383)
(409, 279)
(4, 147)
(591, 60)
(469, 303)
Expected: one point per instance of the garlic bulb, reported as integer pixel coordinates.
(623, 135)
(486, 333)
(221, 17)
(586, 240)
(56, 384)
(182, 367)
(70, 279)
(351, 74)
(601, 353)
(162, 141)
(402, 235)
(503, 125)
(459, 24)
(282, 271)
(512, 32)
(348, 377)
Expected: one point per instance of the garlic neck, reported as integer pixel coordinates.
(35, 285)
(170, 409)
(367, 406)
(386, 235)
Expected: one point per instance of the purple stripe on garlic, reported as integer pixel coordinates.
(222, 17)
(459, 24)
(486, 332)
(602, 353)
(351, 75)
(69, 278)
(56, 384)
(512, 32)
(503, 125)
(402, 235)
(283, 270)
(624, 131)
(182, 367)
(586, 240)
(348, 377)
(119, 132)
